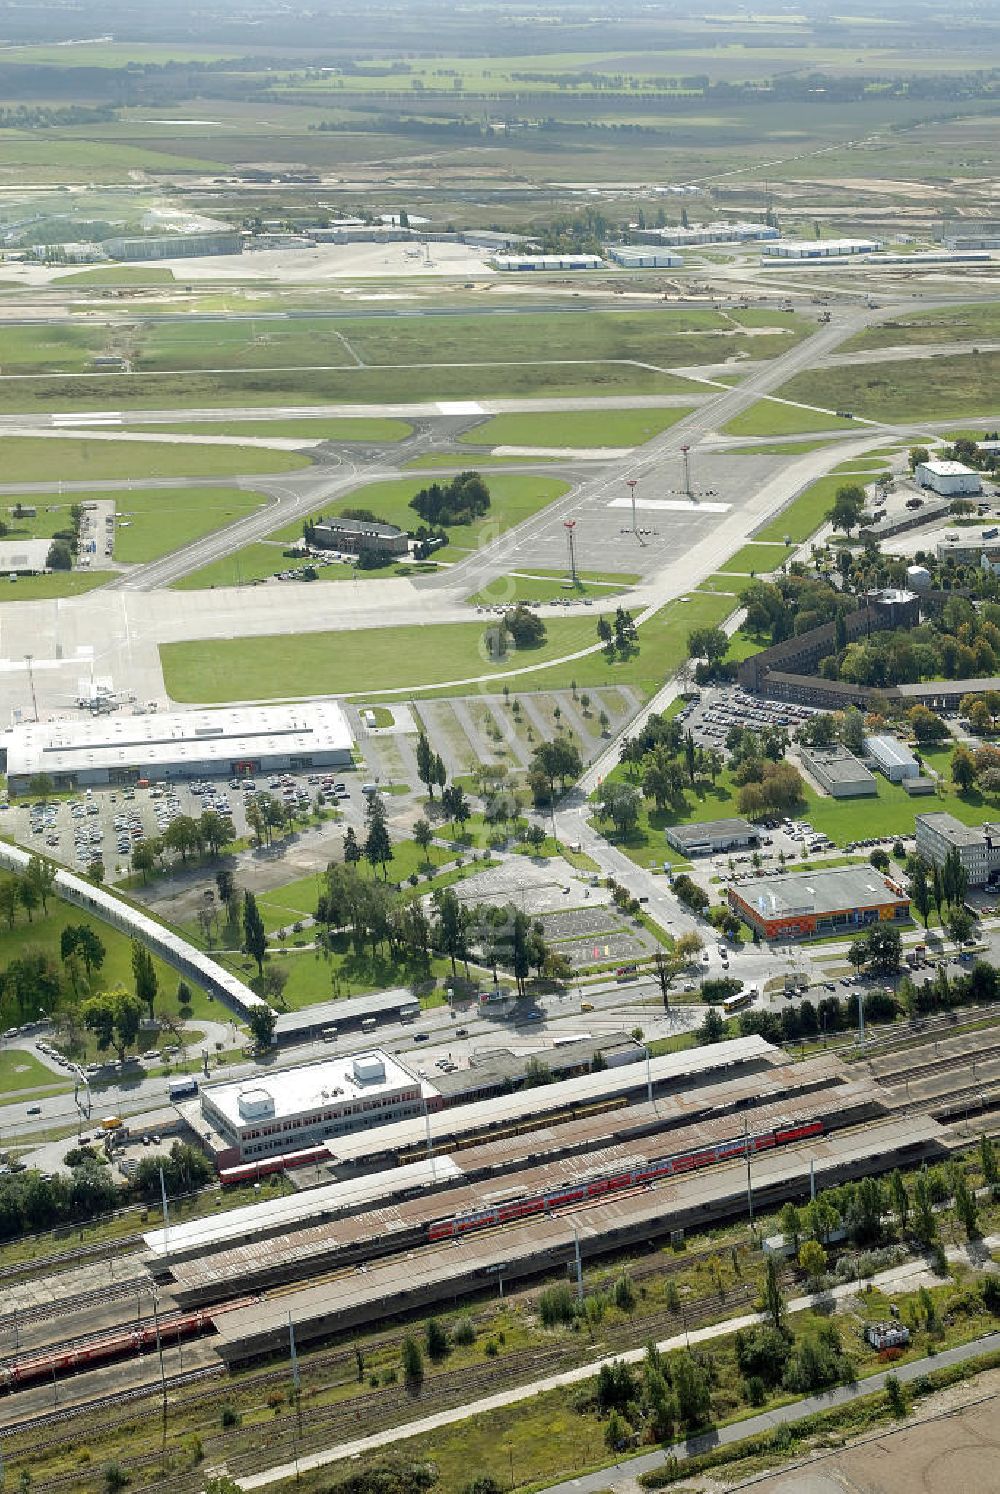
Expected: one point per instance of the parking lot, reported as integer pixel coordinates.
(715, 712)
(106, 824)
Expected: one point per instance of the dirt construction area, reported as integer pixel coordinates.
(955, 1449)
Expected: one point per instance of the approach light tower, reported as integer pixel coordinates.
(570, 526)
(686, 453)
(632, 483)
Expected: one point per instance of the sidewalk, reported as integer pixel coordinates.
(392, 1436)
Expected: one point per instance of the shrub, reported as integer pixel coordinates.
(463, 1332)
(230, 1417)
(557, 1305)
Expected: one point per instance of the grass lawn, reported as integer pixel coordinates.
(37, 459)
(726, 582)
(312, 428)
(804, 514)
(943, 324)
(20, 1069)
(258, 563)
(778, 448)
(769, 417)
(120, 275)
(574, 428)
(514, 497)
(204, 389)
(758, 558)
(942, 388)
(58, 345)
(44, 932)
(515, 588)
(55, 584)
(153, 523)
(368, 661)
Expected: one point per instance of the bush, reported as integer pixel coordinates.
(230, 1417)
(412, 1360)
(624, 1293)
(557, 1305)
(437, 1339)
(115, 1478)
(463, 1332)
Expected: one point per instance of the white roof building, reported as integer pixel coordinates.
(948, 478)
(819, 248)
(179, 744)
(295, 1108)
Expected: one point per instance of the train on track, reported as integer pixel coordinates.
(249, 1172)
(127, 1343)
(636, 1177)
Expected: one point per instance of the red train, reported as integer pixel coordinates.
(249, 1172)
(126, 1343)
(524, 1208)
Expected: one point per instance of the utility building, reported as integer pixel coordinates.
(895, 761)
(838, 771)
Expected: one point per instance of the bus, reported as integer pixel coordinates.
(734, 1004)
(369, 1024)
(329, 1034)
(181, 1089)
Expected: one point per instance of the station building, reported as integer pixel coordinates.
(292, 1109)
(804, 905)
(122, 749)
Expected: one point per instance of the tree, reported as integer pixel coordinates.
(713, 1028)
(60, 556)
(966, 1205)
(920, 892)
(959, 924)
(455, 804)
(772, 1302)
(707, 643)
(378, 845)
(924, 1218)
(691, 1388)
(620, 803)
(9, 900)
(81, 939)
(988, 1161)
(254, 933)
(215, 831)
(689, 944)
(812, 1259)
(42, 876)
(412, 1360)
(963, 769)
(262, 1021)
(791, 1224)
(425, 763)
(917, 456)
(452, 929)
(524, 626)
(40, 786)
(423, 835)
(184, 835)
(144, 974)
(848, 506)
(900, 1198)
(437, 1339)
(28, 897)
(926, 726)
(352, 851)
(557, 761)
(144, 858)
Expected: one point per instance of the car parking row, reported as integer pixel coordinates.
(713, 718)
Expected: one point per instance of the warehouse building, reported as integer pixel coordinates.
(712, 837)
(183, 744)
(296, 1108)
(803, 249)
(515, 262)
(705, 233)
(173, 246)
(951, 479)
(643, 259)
(978, 846)
(804, 905)
(895, 761)
(359, 537)
(838, 771)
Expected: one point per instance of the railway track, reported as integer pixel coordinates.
(318, 1426)
(939, 1064)
(48, 1265)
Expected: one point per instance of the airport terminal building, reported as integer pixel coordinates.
(120, 749)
